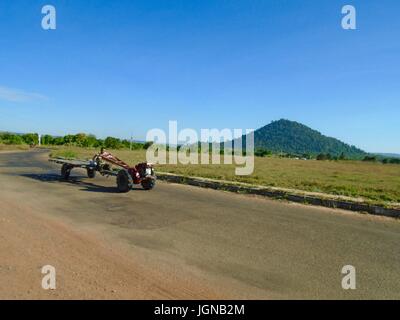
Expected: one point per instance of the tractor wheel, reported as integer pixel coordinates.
(148, 183)
(124, 181)
(65, 171)
(91, 173)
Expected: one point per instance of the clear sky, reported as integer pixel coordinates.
(123, 67)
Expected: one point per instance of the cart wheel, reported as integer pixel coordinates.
(148, 183)
(124, 181)
(65, 171)
(91, 173)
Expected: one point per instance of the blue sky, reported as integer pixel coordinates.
(124, 67)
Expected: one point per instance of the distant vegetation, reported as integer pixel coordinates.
(90, 141)
(382, 159)
(78, 140)
(18, 139)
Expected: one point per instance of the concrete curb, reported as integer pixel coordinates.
(276, 193)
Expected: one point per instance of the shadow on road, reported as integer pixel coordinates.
(74, 180)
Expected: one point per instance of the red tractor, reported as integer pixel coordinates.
(127, 176)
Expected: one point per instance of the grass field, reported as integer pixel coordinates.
(375, 182)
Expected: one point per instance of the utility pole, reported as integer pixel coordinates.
(131, 142)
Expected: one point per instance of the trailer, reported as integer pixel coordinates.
(103, 162)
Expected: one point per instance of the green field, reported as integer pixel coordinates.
(375, 182)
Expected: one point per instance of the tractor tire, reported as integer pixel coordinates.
(148, 183)
(124, 181)
(91, 173)
(65, 171)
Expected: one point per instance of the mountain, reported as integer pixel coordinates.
(296, 138)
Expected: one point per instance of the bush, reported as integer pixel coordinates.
(112, 143)
(69, 139)
(147, 145)
(31, 138)
(80, 140)
(58, 141)
(323, 156)
(262, 152)
(48, 140)
(369, 158)
(391, 160)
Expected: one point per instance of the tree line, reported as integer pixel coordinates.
(327, 157)
(18, 139)
(78, 140)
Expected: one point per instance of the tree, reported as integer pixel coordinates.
(112, 143)
(69, 139)
(91, 140)
(99, 143)
(47, 139)
(31, 138)
(80, 140)
(147, 145)
(58, 141)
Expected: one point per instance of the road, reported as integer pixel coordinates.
(180, 242)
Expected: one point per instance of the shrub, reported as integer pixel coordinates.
(112, 143)
(323, 156)
(261, 152)
(369, 158)
(147, 145)
(31, 138)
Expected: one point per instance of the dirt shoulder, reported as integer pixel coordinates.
(86, 266)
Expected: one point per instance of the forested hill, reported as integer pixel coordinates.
(295, 138)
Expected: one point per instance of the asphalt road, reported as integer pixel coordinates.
(238, 246)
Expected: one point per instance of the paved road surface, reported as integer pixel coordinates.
(180, 241)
